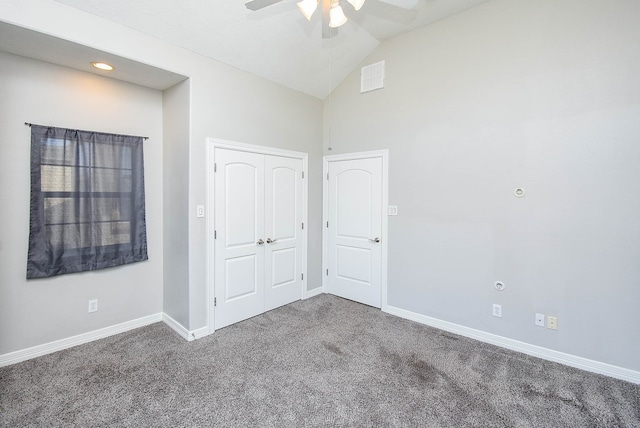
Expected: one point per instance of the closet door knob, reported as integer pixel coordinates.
(271, 241)
(260, 242)
(376, 240)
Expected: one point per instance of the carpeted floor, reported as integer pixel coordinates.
(320, 362)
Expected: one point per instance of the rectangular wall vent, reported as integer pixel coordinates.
(372, 77)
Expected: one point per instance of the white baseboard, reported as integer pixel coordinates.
(526, 348)
(182, 331)
(177, 327)
(70, 342)
(200, 333)
(315, 292)
(504, 342)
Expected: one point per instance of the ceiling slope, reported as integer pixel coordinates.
(276, 42)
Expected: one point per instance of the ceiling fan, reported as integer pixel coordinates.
(332, 13)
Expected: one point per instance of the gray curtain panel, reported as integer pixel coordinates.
(87, 201)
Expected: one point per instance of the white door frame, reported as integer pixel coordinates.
(384, 155)
(214, 143)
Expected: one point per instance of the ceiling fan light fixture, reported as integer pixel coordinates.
(336, 15)
(307, 8)
(357, 4)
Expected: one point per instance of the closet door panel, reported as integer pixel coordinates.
(239, 224)
(283, 228)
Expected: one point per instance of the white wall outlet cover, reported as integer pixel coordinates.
(93, 305)
(519, 192)
(499, 285)
(552, 323)
(393, 210)
(200, 211)
(497, 310)
(540, 320)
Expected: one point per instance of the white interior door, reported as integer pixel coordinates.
(239, 244)
(283, 231)
(355, 230)
(258, 246)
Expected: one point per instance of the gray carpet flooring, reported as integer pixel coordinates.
(320, 362)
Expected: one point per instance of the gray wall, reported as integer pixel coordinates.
(39, 311)
(223, 103)
(175, 130)
(540, 94)
(237, 106)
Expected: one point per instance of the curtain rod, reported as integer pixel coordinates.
(122, 135)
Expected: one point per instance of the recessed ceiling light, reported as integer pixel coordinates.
(103, 66)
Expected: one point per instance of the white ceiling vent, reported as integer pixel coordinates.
(372, 77)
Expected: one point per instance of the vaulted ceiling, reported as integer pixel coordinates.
(276, 42)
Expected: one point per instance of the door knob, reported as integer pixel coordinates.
(271, 241)
(260, 242)
(376, 240)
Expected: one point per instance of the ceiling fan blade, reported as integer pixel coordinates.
(404, 4)
(259, 4)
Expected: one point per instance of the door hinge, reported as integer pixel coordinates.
(327, 272)
(327, 224)
(302, 226)
(302, 275)
(327, 175)
(215, 234)
(215, 301)
(302, 174)
(215, 167)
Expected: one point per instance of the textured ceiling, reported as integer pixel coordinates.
(276, 42)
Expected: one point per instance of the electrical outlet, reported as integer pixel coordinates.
(393, 210)
(497, 310)
(552, 323)
(93, 305)
(540, 320)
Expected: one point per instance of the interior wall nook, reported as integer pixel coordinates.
(43, 315)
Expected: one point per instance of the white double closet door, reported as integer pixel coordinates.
(258, 224)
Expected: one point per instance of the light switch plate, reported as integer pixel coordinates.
(200, 211)
(393, 210)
